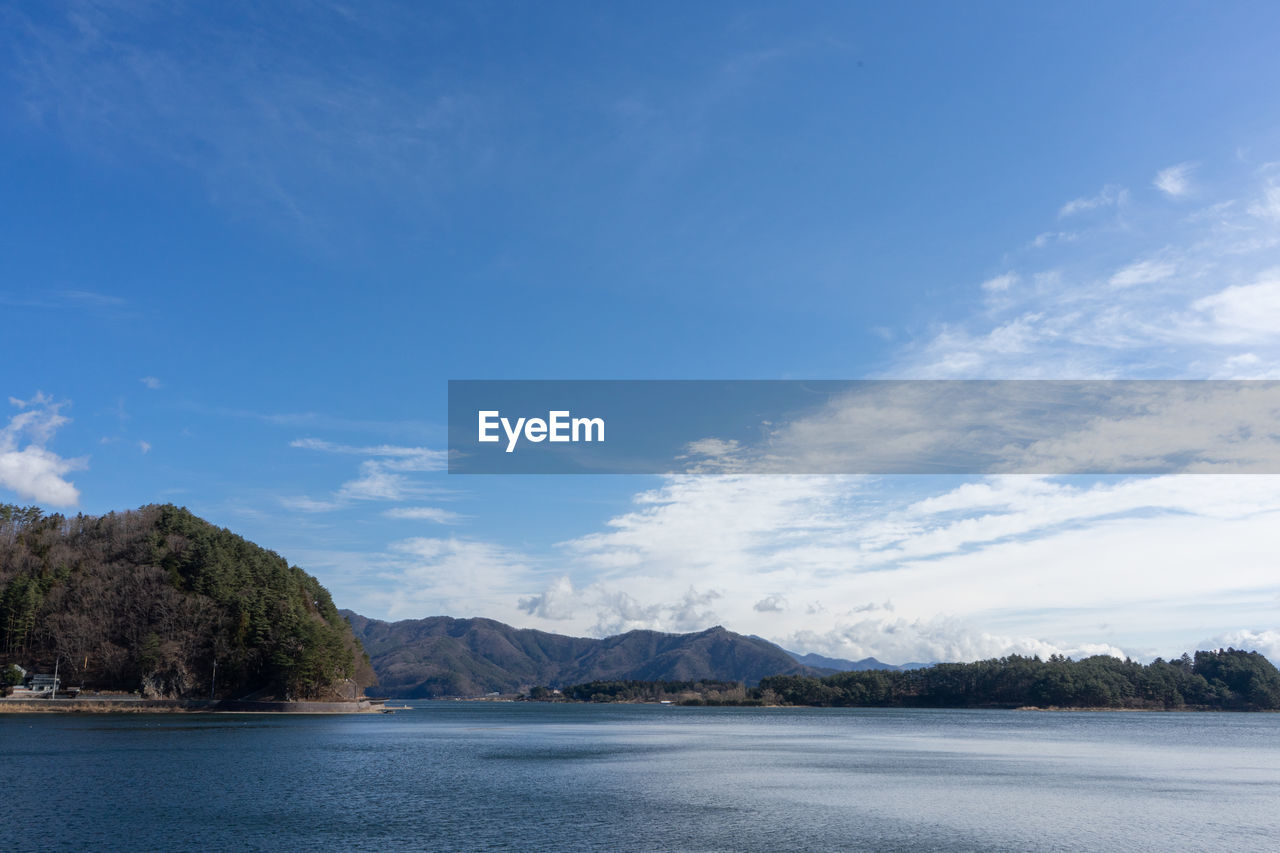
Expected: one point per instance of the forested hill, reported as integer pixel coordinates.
(442, 656)
(147, 599)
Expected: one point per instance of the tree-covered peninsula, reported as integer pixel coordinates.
(150, 599)
(1226, 679)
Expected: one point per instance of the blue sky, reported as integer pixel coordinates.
(244, 249)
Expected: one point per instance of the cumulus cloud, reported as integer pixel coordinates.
(937, 639)
(694, 611)
(151, 382)
(1265, 642)
(27, 466)
(556, 602)
(771, 604)
(1243, 314)
(617, 611)
(606, 608)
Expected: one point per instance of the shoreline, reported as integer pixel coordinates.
(1185, 709)
(184, 706)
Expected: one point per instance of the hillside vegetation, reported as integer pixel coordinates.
(1227, 679)
(442, 656)
(148, 599)
(1222, 680)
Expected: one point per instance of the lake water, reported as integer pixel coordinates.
(491, 776)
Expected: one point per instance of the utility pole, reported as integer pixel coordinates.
(53, 694)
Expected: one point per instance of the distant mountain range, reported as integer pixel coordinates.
(443, 656)
(830, 666)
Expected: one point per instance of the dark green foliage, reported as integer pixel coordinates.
(147, 599)
(684, 692)
(1240, 679)
(1229, 680)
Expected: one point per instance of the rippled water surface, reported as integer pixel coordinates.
(497, 776)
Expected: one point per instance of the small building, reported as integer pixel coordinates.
(42, 686)
(44, 683)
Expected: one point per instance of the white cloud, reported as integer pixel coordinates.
(1000, 283)
(618, 611)
(301, 503)
(1009, 564)
(1175, 180)
(1108, 196)
(1014, 564)
(151, 382)
(1142, 272)
(1049, 238)
(27, 466)
(144, 447)
(405, 458)
(376, 483)
(458, 576)
(1266, 642)
(1161, 292)
(1267, 205)
(940, 638)
(384, 476)
(694, 611)
(1243, 314)
(712, 448)
(1247, 365)
(424, 513)
(557, 602)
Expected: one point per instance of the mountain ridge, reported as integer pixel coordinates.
(834, 665)
(447, 656)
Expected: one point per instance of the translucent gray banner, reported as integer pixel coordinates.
(864, 427)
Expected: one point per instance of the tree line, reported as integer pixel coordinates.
(717, 692)
(1225, 679)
